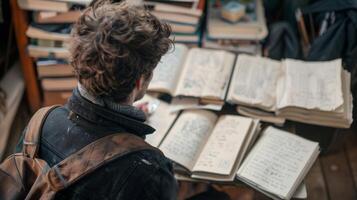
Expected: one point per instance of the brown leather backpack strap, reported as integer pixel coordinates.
(93, 156)
(33, 131)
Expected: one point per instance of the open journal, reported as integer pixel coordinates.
(201, 73)
(278, 163)
(205, 146)
(309, 92)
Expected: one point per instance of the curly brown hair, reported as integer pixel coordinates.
(113, 45)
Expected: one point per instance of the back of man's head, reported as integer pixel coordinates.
(114, 45)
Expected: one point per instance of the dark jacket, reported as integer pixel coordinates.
(143, 175)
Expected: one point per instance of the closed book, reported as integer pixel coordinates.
(44, 52)
(44, 17)
(176, 17)
(37, 33)
(45, 5)
(55, 70)
(59, 84)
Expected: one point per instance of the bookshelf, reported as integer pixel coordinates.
(20, 22)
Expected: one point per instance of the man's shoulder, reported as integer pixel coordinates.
(151, 157)
(126, 177)
(147, 159)
(155, 158)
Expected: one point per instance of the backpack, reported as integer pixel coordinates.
(25, 176)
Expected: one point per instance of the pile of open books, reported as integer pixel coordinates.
(206, 146)
(310, 92)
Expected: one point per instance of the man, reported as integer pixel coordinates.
(115, 48)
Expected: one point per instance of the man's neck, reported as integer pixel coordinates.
(101, 101)
(124, 107)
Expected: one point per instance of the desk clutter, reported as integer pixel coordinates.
(206, 68)
(272, 91)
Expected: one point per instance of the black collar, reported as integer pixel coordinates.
(103, 116)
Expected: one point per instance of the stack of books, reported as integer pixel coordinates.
(50, 27)
(49, 34)
(241, 36)
(185, 18)
(310, 92)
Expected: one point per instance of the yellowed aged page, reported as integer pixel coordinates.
(167, 72)
(339, 118)
(206, 73)
(254, 82)
(223, 146)
(312, 85)
(184, 142)
(277, 162)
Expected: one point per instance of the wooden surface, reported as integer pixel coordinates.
(351, 151)
(316, 183)
(333, 176)
(339, 177)
(20, 21)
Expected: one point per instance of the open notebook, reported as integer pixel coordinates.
(209, 147)
(278, 163)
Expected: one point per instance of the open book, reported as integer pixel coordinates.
(278, 163)
(205, 146)
(200, 73)
(309, 92)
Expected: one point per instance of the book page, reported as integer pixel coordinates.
(312, 85)
(223, 146)
(206, 73)
(161, 119)
(277, 160)
(167, 72)
(254, 82)
(248, 141)
(184, 142)
(339, 118)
